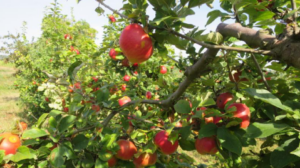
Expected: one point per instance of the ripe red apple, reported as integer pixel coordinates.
(47, 99)
(125, 62)
(113, 53)
(77, 51)
(124, 100)
(163, 69)
(135, 65)
(148, 95)
(9, 143)
(112, 161)
(236, 77)
(127, 149)
(145, 159)
(77, 85)
(95, 79)
(136, 43)
(112, 18)
(242, 111)
(162, 142)
(123, 87)
(223, 99)
(68, 36)
(126, 78)
(135, 73)
(95, 107)
(206, 145)
(66, 109)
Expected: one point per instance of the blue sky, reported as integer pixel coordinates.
(14, 12)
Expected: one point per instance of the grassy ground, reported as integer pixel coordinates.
(9, 109)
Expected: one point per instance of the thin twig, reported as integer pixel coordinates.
(229, 69)
(294, 7)
(260, 72)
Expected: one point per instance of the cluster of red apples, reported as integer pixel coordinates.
(9, 142)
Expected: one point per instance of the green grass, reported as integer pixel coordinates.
(9, 98)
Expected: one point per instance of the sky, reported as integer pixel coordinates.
(14, 12)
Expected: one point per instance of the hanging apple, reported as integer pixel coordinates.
(136, 43)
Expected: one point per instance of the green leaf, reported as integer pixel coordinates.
(108, 140)
(34, 133)
(99, 10)
(185, 132)
(71, 71)
(178, 42)
(66, 122)
(213, 37)
(229, 141)
(80, 142)
(194, 3)
(267, 97)
(23, 153)
(208, 130)
(56, 158)
(2, 154)
(187, 144)
(282, 156)
(101, 164)
(182, 107)
(183, 2)
(88, 161)
(213, 15)
(42, 119)
(185, 12)
(263, 130)
(102, 95)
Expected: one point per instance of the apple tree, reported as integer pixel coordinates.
(131, 102)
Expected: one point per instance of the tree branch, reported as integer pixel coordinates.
(294, 7)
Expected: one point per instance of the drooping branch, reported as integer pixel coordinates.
(261, 73)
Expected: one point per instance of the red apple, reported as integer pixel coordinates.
(135, 65)
(162, 142)
(136, 43)
(135, 73)
(145, 159)
(68, 36)
(123, 87)
(9, 143)
(95, 79)
(243, 112)
(113, 53)
(112, 161)
(125, 62)
(148, 95)
(127, 149)
(124, 100)
(223, 99)
(206, 145)
(95, 107)
(163, 69)
(47, 99)
(112, 18)
(126, 78)
(66, 109)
